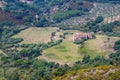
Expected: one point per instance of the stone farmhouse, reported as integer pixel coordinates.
(80, 35)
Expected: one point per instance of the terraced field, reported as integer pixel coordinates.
(111, 13)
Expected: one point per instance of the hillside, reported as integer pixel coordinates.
(5, 16)
(94, 73)
(67, 52)
(110, 13)
(59, 40)
(50, 11)
(57, 13)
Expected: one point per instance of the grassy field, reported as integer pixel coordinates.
(35, 35)
(66, 52)
(101, 46)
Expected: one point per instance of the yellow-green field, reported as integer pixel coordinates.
(66, 52)
(36, 35)
(100, 46)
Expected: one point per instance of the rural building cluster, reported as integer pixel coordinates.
(81, 35)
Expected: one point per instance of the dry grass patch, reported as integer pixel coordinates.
(35, 35)
(1, 52)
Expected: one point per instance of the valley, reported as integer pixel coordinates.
(59, 39)
(67, 52)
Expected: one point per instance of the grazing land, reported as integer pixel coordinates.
(66, 52)
(36, 35)
(101, 46)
